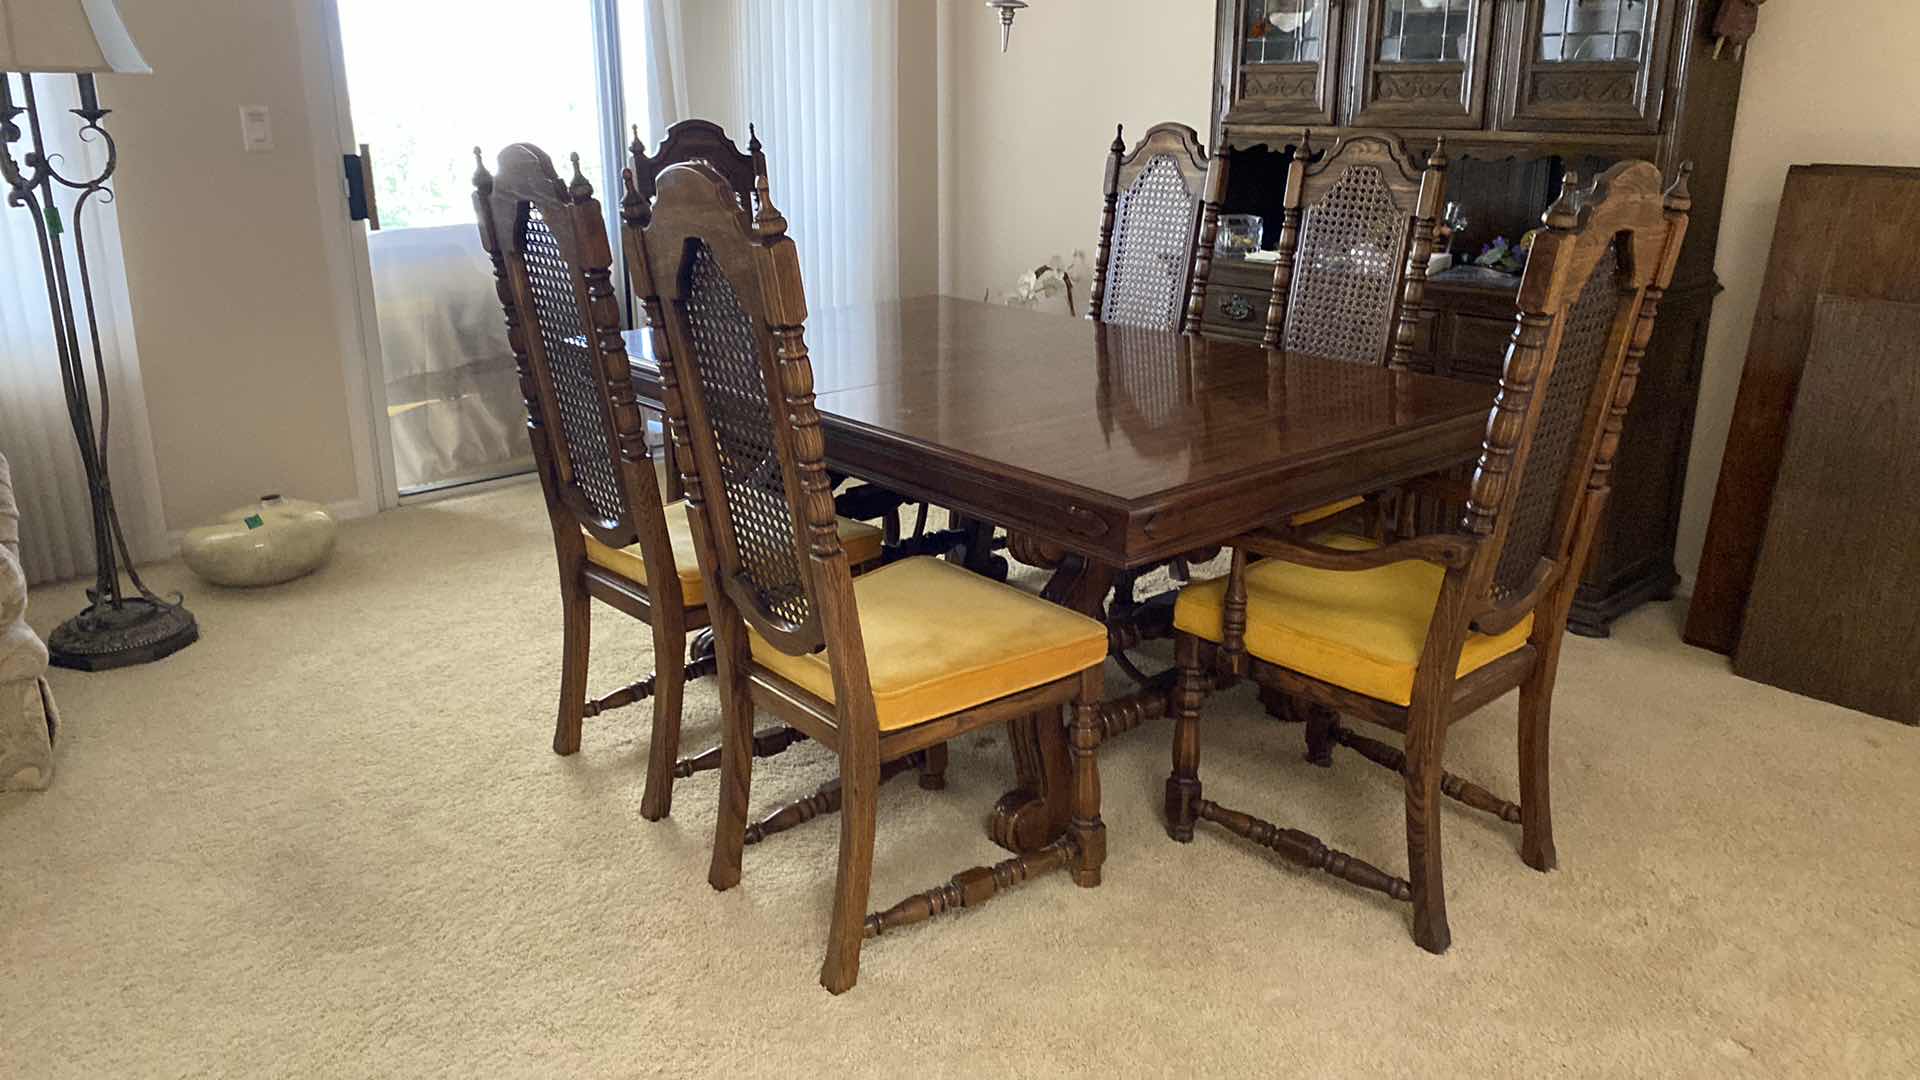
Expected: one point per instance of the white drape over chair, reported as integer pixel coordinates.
(35, 433)
(819, 79)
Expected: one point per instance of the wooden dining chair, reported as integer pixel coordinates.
(1356, 233)
(552, 269)
(1158, 221)
(1419, 633)
(875, 668)
(699, 140)
(1160, 214)
(745, 172)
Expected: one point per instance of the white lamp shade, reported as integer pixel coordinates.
(67, 35)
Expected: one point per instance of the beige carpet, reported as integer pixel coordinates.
(330, 840)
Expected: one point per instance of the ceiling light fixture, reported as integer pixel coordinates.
(1008, 9)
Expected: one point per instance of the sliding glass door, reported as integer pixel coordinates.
(427, 81)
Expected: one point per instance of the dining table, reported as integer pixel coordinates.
(1102, 450)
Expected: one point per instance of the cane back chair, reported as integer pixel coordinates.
(1419, 633)
(746, 172)
(875, 668)
(1356, 231)
(552, 270)
(1160, 214)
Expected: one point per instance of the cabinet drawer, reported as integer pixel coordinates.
(1236, 311)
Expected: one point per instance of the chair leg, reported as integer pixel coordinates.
(576, 609)
(1321, 722)
(663, 751)
(1425, 738)
(933, 768)
(736, 765)
(859, 790)
(1083, 741)
(1536, 803)
(1183, 786)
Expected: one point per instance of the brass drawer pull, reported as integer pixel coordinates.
(1237, 307)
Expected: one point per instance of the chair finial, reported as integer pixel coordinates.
(1119, 139)
(1438, 159)
(1565, 211)
(1680, 195)
(482, 179)
(631, 204)
(753, 140)
(768, 221)
(637, 148)
(578, 187)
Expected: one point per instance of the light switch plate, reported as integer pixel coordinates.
(256, 128)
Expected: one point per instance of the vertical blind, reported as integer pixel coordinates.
(818, 78)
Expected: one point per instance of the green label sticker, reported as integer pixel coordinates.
(254, 521)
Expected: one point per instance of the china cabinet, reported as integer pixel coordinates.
(1522, 90)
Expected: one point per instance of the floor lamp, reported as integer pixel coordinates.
(120, 626)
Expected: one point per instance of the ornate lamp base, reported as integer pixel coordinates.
(137, 631)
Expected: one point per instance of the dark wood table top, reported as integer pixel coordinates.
(1129, 446)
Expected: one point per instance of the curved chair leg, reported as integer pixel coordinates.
(1425, 737)
(933, 768)
(859, 796)
(576, 609)
(736, 764)
(1536, 803)
(663, 750)
(1183, 786)
(1083, 741)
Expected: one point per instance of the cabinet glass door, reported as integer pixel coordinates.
(1288, 52)
(1588, 65)
(1422, 63)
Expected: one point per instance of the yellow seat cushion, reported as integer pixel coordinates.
(861, 540)
(941, 639)
(1358, 629)
(1322, 513)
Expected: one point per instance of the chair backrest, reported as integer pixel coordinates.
(1592, 289)
(1356, 231)
(1157, 225)
(698, 140)
(553, 272)
(725, 292)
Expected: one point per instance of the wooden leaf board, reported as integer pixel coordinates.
(1842, 230)
(1835, 608)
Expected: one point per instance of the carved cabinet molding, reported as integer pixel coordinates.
(1421, 63)
(1586, 65)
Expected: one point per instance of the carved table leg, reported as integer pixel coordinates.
(1037, 811)
(976, 553)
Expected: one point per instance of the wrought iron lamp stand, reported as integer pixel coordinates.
(118, 628)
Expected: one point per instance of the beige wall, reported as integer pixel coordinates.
(1824, 83)
(232, 300)
(1029, 130)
